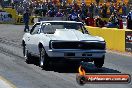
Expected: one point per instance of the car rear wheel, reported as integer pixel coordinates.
(43, 58)
(27, 56)
(99, 62)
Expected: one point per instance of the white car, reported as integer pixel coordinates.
(62, 40)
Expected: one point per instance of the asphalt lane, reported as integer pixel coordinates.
(5, 83)
(14, 68)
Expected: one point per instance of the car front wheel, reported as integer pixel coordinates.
(43, 58)
(99, 62)
(26, 55)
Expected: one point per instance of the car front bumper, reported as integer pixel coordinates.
(76, 53)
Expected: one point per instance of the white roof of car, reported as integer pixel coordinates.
(59, 21)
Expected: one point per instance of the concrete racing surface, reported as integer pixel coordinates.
(60, 75)
(5, 83)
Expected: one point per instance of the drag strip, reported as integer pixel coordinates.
(7, 42)
(14, 68)
(5, 83)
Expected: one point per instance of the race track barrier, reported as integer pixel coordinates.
(7, 16)
(16, 19)
(19, 20)
(116, 39)
(13, 12)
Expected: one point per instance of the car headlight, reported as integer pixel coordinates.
(50, 44)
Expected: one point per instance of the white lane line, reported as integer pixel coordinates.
(5, 83)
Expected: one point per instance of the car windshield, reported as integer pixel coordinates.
(51, 27)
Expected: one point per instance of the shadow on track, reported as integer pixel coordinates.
(64, 67)
(90, 68)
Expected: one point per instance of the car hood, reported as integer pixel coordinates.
(72, 35)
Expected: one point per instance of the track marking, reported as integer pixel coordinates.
(6, 83)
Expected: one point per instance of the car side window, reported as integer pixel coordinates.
(35, 29)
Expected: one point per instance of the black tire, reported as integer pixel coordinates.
(26, 55)
(43, 59)
(99, 62)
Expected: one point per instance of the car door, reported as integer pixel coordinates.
(33, 39)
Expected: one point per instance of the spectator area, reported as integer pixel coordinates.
(93, 1)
